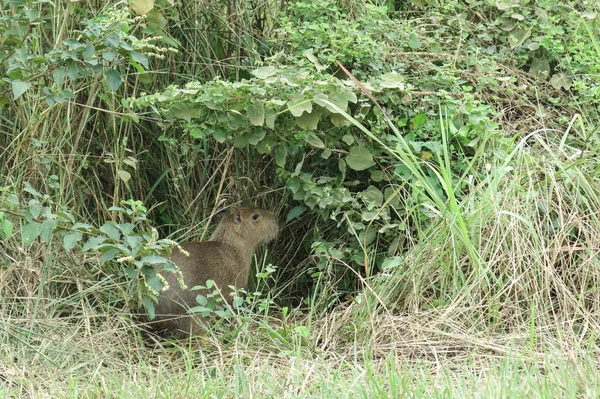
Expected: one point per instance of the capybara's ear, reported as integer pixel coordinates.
(222, 213)
(237, 215)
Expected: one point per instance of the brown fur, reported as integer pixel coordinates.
(225, 258)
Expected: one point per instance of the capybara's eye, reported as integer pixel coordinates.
(256, 216)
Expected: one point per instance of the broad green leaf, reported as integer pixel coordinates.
(308, 121)
(109, 255)
(302, 331)
(589, 14)
(360, 158)
(71, 239)
(377, 176)
(348, 139)
(391, 263)
(149, 306)
(59, 75)
(270, 119)
(82, 226)
(7, 228)
(507, 24)
(88, 53)
(64, 215)
(131, 161)
(48, 227)
(391, 196)
(340, 100)
(504, 5)
(153, 260)
(367, 236)
(35, 209)
(313, 58)
(413, 41)
(129, 271)
(295, 212)
(126, 228)
(419, 120)
(265, 146)
(560, 80)
(392, 80)
(200, 299)
(339, 120)
(93, 242)
(256, 113)
(29, 188)
(140, 58)
(220, 134)
(73, 44)
(342, 166)
(235, 120)
(109, 56)
(264, 72)
(200, 309)
(113, 79)
(518, 36)
(146, 78)
(281, 155)
(19, 87)
(372, 195)
(540, 68)
(30, 232)
(256, 135)
(237, 302)
(368, 216)
(314, 140)
(294, 184)
(298, 104)
(241, 140)
(155, 283)
(155, 20)
(111, 231)
(13, 200)
(387, 227)
(180, 110)
(196, 132)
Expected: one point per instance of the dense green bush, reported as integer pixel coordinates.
(375, 159)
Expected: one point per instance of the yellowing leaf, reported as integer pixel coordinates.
(426, 155)
(142, 7)
(124, 175)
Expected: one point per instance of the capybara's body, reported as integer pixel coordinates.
(225, 258)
